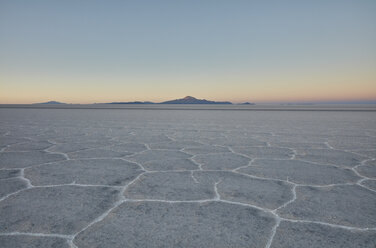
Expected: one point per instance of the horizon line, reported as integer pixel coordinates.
(304, 102)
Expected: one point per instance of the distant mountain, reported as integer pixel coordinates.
(185, 100)
(192, 100)
(136, 102)
(51, 102)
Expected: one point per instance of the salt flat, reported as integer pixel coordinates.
(187, 178)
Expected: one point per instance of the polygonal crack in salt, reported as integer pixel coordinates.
(193, 177)
(273, 232)
(217, 195)
(22, 176)
(329, 146)
(225, 133)
(293, 190)
(107, 212)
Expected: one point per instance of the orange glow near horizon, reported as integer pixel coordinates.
(259, 90)
(347, 84)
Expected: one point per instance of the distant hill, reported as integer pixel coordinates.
(247, 103)
(136, 102)
(51, 102)
(192, 100)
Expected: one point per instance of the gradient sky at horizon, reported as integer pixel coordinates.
(260, 51)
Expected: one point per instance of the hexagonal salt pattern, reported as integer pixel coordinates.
(170, 186)
(351, 142)
(297, 145)
(16, 241)
(163, 224)
(170, 164)
(234, 140)
(78, 146)
(175, 145)
(26, 159)
(128, 147)
(55, 210)
(221, 161)
(29, 146)
(297, 235)
(98, 153)
(206, 149)
(371, 184)
(370, 153)
(325, 156)
(349, 205)
(235, 187)
(148, 138)
(11, 185)
(154, 155)
(300, 172)
(186, 178)
(265, 152)
(85, 171)
(368, 169)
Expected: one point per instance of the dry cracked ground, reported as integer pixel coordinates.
(187, 178)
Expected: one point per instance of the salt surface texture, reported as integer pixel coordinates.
(187, 178)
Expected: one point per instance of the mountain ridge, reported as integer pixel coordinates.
(50, 102)
(184, 100)
(193, 100)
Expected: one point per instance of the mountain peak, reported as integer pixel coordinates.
(189, 98)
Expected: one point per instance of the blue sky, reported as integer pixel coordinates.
(92, 51)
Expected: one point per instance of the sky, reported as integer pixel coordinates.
(91, 51)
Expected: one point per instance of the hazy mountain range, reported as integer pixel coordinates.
(185, 100)
(193, 100)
